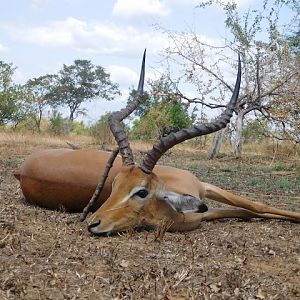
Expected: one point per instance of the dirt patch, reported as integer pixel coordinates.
(50, 255)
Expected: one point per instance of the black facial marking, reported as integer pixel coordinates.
(202, 208)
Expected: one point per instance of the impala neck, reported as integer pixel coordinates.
(160, 213)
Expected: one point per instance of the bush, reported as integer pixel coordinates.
(58, 125)
(101, 131)
(78, 128)
(160, 120)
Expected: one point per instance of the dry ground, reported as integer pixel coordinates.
(50, 255)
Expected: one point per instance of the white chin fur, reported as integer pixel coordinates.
(97, 230)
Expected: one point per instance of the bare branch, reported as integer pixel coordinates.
(100, 185)
(209, 71)
(199, 101)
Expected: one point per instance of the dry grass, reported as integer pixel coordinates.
(50, 255)
(34, 141)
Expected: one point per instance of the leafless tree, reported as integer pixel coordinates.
(268, 65)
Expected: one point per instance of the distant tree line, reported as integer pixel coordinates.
(70, 88)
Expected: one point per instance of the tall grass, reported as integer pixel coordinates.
(286, 149)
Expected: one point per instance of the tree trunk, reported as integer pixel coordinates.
(216, 145)
(70, 122)
(238, 138)
(38, 121)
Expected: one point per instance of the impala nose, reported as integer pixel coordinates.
(92, 225)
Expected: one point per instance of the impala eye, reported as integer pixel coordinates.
(142, 193)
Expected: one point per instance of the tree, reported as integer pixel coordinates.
(6, 72)
(37, 97)
(268, 62)
(78, 83)
(11, 97)
(6, 105)
(217, 141)
(12, 109)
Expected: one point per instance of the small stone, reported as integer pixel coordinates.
(236, 291)
(260, 294)
(214, 288)
(124, 263)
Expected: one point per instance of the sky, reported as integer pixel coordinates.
(39, 36)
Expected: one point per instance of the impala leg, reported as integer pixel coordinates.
(191, 221)
(261, 209)
(220, 213)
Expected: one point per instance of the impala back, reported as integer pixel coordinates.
(65, 179)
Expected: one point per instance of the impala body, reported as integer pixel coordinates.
(136, 195)
(66, 179)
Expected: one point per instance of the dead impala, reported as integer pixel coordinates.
(136, 195)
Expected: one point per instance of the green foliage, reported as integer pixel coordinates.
(265, 183)
(12, 109)
(279, 168)
(254, 131)
(163, 112)
(253, 181)
(78, 128)
(161, 119)
(6, 72)
(58, 125)
(145, 102)
(8, 106)
(285, 184)
(25, 125)
(101, 131)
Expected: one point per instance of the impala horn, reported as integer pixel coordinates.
(116, 118)
(174, 138)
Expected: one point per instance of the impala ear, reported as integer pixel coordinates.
(183, 203)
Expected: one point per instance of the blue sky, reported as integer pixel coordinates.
(39, 36)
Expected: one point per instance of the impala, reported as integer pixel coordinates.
(136, 195)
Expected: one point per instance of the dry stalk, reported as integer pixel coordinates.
(161, 229)
(100, 185)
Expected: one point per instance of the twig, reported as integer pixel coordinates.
(73, 146)
(100, 185)
(275, 153)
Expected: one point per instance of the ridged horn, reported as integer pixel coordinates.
(116, 118)
(174, 138)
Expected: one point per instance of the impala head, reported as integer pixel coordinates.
(139, 197)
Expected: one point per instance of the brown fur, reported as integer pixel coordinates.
(65, 178)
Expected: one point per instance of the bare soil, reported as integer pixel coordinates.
(50, 255)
